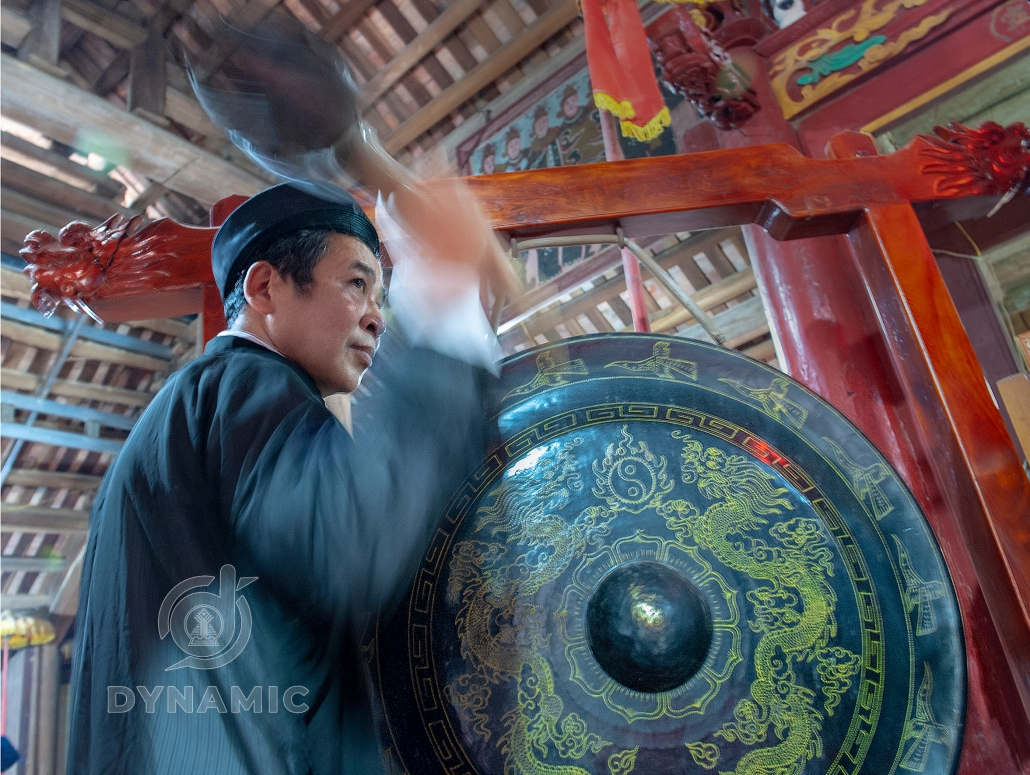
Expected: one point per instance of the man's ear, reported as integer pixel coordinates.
(257, 287)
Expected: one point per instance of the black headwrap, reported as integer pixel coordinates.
(275, 213)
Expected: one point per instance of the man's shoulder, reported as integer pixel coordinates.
(224, 371)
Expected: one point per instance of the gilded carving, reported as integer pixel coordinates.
(918, 594)
(793, 611)
(623, 762)
(773, 400)
(865, 481)
(549, 373)
(922, 731)
(661, 364)
(819, 64)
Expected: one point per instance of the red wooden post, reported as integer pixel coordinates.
(980, 497)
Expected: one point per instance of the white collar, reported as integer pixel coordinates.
(251, 338)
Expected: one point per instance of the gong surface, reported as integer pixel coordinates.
(675, 560)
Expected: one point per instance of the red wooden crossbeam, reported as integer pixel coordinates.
(774, 186)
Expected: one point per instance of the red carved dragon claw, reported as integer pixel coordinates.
(989, 160)
(74, 266)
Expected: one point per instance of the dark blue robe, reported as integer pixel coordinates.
(237, 472)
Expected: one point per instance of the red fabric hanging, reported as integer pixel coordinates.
(621, 72)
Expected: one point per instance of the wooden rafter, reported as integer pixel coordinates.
(505, 58)
(64, 112)
(419, 48)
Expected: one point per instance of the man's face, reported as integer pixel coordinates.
(571, 105)
(540, 126)
(489, 165)
(332, 329)
(514, 147)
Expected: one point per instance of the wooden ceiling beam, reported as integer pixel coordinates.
(14, 26)
(117, 30)
(14, 283)
(58, 165)
(348, 16)
(60, 194)
(33, 564)
(421, 47)
(52, 480)
(52, 215)
(26, 602)
(61, 325)
(113, 74)
(20, 380)
(42, 45)
(65, 113)
(407, 33)
(83, 414)
(65, 601)
(14, 226)
(147, 75)
(41, 433)
(39, 519)
(85, 350)
(183, 108)
(707, 298)
(508, 56)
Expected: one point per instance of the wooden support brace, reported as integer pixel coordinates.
(147, 78)
(42, 45)
(966, 441)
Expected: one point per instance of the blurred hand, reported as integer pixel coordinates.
(446, 220)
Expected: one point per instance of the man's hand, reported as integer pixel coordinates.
(449, 225)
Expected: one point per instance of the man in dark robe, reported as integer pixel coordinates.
(242, 536)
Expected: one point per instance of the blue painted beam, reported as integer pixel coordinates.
(33, 318)
(14, 430)
(56, 409)
(33, 564)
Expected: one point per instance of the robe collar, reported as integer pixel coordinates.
(222, 344)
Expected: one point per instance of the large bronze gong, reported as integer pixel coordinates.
(677, 560)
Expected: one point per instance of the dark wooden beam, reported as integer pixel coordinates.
(14, 26)
(113, 74)
(30, 207)
(147, 78)
(42, 45)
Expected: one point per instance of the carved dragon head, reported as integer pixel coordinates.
(989, 160)
(72, 267)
